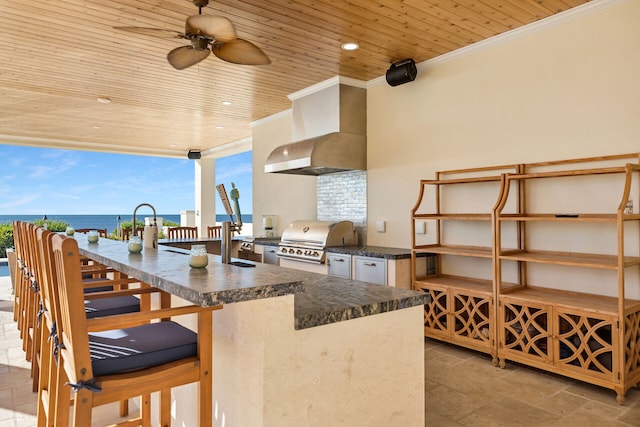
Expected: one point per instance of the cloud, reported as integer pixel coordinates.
(41, 171)
(66, 196)
(46, 171)
(21, 201)
(240, 169)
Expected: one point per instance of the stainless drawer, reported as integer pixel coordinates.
(339, 265)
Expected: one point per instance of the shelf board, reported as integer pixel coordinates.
(586, 217)
(569, 300)
(573, 172)
(607, 262)
(491, 178)
(471, 251)
(456, 282)
(455, 216)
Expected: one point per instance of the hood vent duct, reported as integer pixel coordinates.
(330, 129)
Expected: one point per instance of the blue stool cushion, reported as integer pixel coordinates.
(110, 306)
(98, 289)
(140, 347)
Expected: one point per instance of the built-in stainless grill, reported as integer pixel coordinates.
(307, 240)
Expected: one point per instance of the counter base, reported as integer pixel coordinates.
(366, 371)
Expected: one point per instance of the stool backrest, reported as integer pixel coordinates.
(183, 232)
(72, 324)
(214, 231)
(126, 233)
(102, 232)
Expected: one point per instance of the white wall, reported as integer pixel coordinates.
(289, 197)
(564, 91)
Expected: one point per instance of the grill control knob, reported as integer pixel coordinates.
(299, 252)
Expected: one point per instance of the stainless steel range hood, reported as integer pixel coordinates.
(329, 127)
(330, 153)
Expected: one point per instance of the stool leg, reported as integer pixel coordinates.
(82, 408)
(145, 410)
(124, 408)
(165, 407)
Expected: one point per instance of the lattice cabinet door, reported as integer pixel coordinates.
(632, 347)
(472, 316)
(524, 331)
(435, 313)
(585, 343)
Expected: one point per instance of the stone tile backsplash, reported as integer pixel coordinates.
(343, 197)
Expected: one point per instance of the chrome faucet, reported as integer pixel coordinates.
(133, 226)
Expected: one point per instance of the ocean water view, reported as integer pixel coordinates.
(109, 222)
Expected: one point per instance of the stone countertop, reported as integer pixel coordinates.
(330, 299)
(195, 240)
(319, 299)
(371, 251)
(267, 241)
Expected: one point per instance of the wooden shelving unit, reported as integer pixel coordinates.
(592, 336)
(462, 309)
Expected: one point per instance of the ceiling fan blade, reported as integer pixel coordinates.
(217, 27)
(186, 56)
(154, 32)
(240, 51)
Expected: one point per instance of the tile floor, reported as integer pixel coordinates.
(462, 389)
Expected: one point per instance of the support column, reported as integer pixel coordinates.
(205, 193)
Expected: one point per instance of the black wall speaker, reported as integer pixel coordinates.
(194, 155)
(402, 72)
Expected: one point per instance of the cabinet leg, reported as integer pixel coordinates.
(620, 399)
(495, 361)
(503, 363)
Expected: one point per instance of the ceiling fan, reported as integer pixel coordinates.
(207, 34)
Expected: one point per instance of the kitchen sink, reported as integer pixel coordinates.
(242, 264)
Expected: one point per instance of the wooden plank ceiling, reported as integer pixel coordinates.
(58, 56)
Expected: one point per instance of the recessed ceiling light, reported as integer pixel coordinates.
(227, 103)
(172, 145)
(219, 127)
(97, 127)
(103, 99)
(350, 46)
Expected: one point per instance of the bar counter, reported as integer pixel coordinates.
(292, 348)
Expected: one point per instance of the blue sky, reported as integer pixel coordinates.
(39, 181)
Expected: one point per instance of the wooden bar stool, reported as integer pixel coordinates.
(103, 301)
(109, 303)
(214, 231)
(113, 358)
(23, 275)
(102, 232)
(30, 287)
(182, 232)
(19, 272)
(126, 233)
